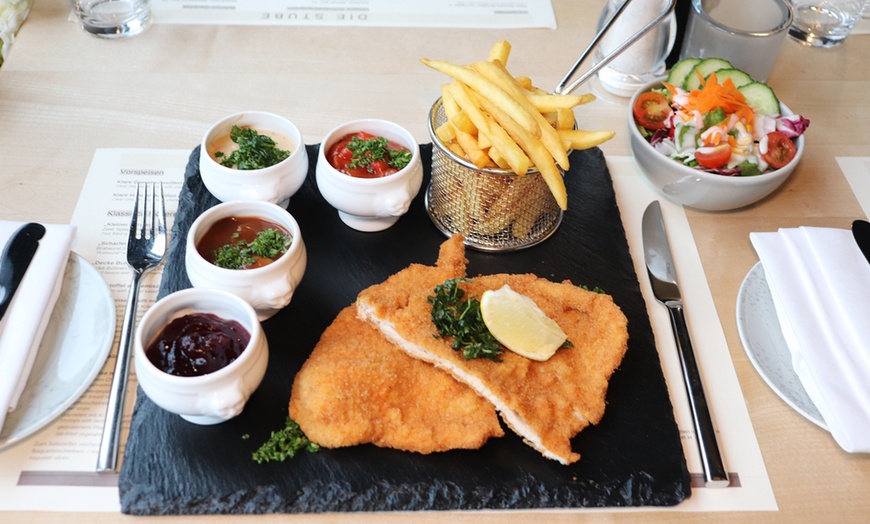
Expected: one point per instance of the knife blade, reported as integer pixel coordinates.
(861, 232)
(666, 289)
(15, 259)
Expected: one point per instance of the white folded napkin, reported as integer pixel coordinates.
(27, 317)
(820, 283)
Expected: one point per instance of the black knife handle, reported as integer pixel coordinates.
(15, 260)
(715, 475)
(861, 232)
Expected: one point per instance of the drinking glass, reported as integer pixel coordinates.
(824, 23)
(747, 33)
(113, 18)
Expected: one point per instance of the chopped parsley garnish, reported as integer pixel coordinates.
(284, 444)
(269, 243)
(459, 317)
(255, 151)
(366, 151)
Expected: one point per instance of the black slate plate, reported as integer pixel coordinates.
(632, 458)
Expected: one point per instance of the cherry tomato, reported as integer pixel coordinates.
(713, 156)
(651, 110)
(780, 150)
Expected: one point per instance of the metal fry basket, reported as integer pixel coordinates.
(494, 209)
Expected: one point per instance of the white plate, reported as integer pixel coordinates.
(74, 348)
(765, 346)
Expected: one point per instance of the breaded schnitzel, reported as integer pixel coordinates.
(546, 403)
(357, 387)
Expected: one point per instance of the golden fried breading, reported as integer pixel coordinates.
(546, 403)
(357, 387)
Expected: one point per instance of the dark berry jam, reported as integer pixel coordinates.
(197, 344)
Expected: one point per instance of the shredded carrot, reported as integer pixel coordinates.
(714, 95)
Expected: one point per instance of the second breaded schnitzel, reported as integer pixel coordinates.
(546, 403)
(357, 387)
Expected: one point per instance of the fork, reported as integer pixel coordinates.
(146, 247)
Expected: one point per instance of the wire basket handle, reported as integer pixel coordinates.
(561, 88)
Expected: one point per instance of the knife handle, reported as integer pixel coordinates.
(715, 475)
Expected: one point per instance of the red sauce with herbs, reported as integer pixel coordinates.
(340, 156)
(197, 344)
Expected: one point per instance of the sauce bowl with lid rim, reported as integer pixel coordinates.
(214, 397)
(370, 204)
(268, 288)
(275, 184)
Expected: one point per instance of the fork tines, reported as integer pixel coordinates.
(153, 223)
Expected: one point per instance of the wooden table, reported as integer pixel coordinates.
(64, 94)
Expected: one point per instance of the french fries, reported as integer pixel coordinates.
(549, 138)
(546, 103)
(500, 52)
(486, 126)
(537, 152)
(579, 139)
(485, 87)
(501, 121)
(565, 119)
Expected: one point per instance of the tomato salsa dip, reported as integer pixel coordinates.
(363, 155)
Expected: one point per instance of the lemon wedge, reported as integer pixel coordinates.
(520, 325)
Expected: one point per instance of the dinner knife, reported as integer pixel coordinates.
(861, 232)
(663, 279)
(15, 259)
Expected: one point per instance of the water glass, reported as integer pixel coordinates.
(747, 33)
(113, 18)
(824, 23)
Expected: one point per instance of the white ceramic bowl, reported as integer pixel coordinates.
(267, 289)
(275, 184)
(370, 204)
(699, 189)
(214, 397)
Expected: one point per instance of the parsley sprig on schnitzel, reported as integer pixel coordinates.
(459, 317)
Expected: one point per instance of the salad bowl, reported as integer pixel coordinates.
(697, 188)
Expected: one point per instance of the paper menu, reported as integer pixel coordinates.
(372, 13)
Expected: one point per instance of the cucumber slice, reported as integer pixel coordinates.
(761, 98)
(705, 67)
(677, 75)
(737, 76)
